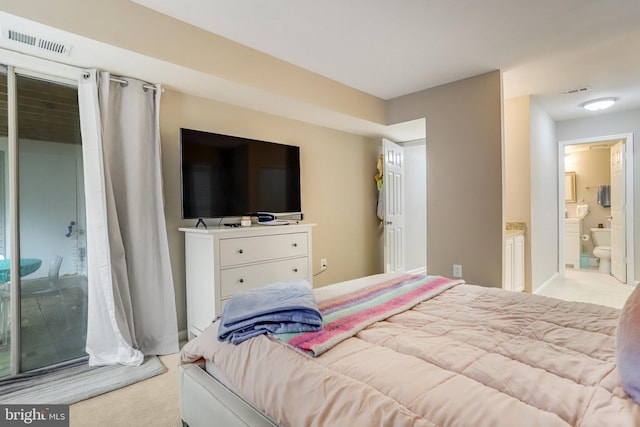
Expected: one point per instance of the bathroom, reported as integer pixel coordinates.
(587, 169)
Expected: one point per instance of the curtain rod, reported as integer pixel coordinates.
(123, 82)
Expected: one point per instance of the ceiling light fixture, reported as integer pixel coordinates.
(599, 104)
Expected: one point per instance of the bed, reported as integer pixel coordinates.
(464, 355)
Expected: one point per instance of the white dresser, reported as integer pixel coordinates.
(221, 261)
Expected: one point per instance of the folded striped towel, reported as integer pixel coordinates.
(350, 311)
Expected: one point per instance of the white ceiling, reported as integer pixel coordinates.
(391, 48)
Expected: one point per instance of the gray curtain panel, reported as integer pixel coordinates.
(132, 311)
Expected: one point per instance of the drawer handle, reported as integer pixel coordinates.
(240, 251)
(295, 245)
(241, 280)
(295, 270)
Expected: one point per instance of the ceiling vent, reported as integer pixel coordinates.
(37, 42)
(574, 91)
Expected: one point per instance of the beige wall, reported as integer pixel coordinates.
(125, 24)
(338, 189)
(464, 174)
(517, 159)
(464, 140)
(517, 168)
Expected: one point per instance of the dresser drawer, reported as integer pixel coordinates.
(246, 250)
(237, 279)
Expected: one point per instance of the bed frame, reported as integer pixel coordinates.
(205, 400)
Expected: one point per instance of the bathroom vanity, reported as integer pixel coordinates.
(572, 242)
(514, 257)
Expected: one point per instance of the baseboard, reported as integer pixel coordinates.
(183, 336)
(542, 287)
(419, 270)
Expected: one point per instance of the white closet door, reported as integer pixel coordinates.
(393, 187)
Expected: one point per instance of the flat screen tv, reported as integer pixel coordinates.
(225, 176)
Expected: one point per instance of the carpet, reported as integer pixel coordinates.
(77, 382)
(154, 402)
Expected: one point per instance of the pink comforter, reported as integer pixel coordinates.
(471, 356)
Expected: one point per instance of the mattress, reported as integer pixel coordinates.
(469, 356)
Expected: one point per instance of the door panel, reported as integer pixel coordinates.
(393, 188)
(618, 217)
(42, 303)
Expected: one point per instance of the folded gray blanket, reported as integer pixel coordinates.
(282, 307)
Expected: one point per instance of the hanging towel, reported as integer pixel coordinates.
(582, 210)
(379, 182)
(604, 195)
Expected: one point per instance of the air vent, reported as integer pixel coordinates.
(574, 91)
(38, 42)
(22, 38)
(53, 46)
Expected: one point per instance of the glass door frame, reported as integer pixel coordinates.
(26, 65)
(14, 229)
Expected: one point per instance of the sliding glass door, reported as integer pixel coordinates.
(42, 222)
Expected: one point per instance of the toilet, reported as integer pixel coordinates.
(602, 248)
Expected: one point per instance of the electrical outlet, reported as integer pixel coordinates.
(323, 264)
(457, 270)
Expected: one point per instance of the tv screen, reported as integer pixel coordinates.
(230, 176)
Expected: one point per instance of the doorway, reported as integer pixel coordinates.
(412, 189)
(416, 205)
(43, 290)
(587, 168)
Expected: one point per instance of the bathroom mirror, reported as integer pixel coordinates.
(569, 187)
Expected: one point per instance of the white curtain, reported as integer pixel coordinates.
(131, 306)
